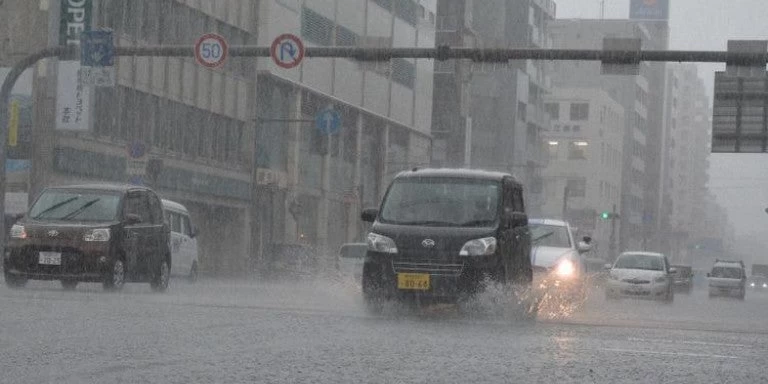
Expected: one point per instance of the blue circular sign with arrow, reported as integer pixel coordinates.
(328, 121)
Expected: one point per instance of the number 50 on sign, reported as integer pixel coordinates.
(211, 50)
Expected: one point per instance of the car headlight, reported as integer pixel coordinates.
(565, 268)
(18, 232)
(661, 279)
(99, 234)
(765, 285)
(751, 284)
(379, 243)
(479, 247)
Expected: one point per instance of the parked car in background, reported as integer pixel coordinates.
(728, 278)
(184, 251)
(351, 260)
(683, 279)
(293, 261)
(105, 233)
(645, 275)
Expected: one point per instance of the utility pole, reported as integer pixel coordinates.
(565, 201)
(612, 241)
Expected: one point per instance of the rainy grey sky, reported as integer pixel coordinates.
(739, 181)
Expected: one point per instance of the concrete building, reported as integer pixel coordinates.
(585, 161)
(312, 189)
(498, 107)
(685, 160)
(642, 98)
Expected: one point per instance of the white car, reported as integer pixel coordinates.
(728, 278)
(184, 254)
(644, 275)
(351, 260)
(555, 255)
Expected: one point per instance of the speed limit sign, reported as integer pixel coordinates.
(211, 50)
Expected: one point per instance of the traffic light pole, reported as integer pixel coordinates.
(441, 53)
(612, 240)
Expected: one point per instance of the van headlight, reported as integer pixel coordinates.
(18, 232)
(379, 243)
(479, 247)
(99, 234)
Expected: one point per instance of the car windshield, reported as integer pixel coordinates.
(75, 206)
(550, 235)
(726, 272)
(640, 261)
(433, 201)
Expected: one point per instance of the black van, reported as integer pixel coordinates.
(440, 232)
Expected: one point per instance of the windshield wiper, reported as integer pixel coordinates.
(475, 223)
(544, 236)
(57, 205)
(80, 209)
(426, 222)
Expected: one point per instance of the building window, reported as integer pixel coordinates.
(315, 28)
(577, 150)
(579, 111)
(403, 72)
(577, 128)
(553, 109)
(577, 187)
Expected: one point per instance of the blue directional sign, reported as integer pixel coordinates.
(97, 48)
(328, 121)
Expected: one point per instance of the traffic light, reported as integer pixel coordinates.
(605, 215)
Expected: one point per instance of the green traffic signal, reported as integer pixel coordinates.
(605, 215)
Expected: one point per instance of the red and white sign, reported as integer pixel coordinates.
(287, 51)
(211, 50)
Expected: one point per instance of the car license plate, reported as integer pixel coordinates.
(50, 258)
(413, 281)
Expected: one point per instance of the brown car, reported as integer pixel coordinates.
(91, 233)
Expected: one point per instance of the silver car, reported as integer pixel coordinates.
(645, 275)
(728, 278)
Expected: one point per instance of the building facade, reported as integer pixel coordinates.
(633, 93)
(583, 175)
(313, 187)
(491, 115)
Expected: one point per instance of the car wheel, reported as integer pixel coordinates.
(69, 285)
(161, 276)
(14, 281)
(115, 278)
(193, 273)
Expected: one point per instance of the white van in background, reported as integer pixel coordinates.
(183, 240)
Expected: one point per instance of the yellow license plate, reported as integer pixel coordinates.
(413, 281)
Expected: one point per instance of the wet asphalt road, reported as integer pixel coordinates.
(244, 332)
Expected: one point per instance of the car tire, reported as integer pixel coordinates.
(114, 279)
(193, 273)
(12, 281)
(69, 285)
(162, 276)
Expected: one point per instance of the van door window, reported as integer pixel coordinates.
(135, 204)
(175, 222)
(155, 209)
(517, 195)
(184, 223)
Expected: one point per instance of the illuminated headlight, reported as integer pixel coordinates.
(565, 268)
(479, 247)
(379, 243)
(100, 234)
(751, 284)
(18, 232)
(765, 285)
(661, 279)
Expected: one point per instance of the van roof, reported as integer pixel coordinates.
(729, 263)
(455, 172)
(553, 222)
(111, 187)
(172, 205)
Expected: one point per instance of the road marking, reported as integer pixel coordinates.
(641, 352)
(687, 342)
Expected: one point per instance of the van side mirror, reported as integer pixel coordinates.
(369, 215)
(132, 219)
(583, 247)
(192, 232)
(673, 271)
(607, 266)
(709, 274)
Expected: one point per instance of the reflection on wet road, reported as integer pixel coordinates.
(241, 331)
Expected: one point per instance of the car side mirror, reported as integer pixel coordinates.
(583, 247)
(369, 215)
(608, 266)
(193, 233)
(132, 218)
(673, 271)
(709, 274)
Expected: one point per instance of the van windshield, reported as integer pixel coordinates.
(75, 206)
(455, 202)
